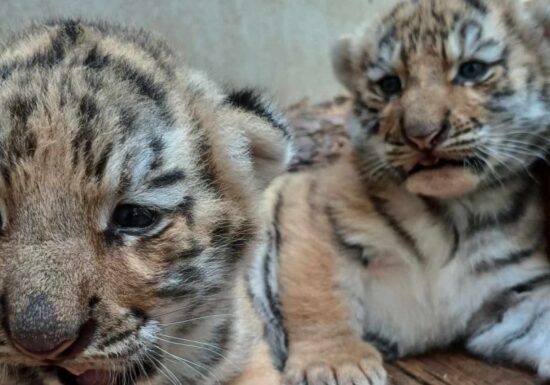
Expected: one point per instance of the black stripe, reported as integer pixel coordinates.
(21, 140)
(512, 213)
(519, 334)
(356, 251)
(52, 56)
(513, 258)
(403, 234)
(21, 108)
(156, 145)
(186, 208)
(492, 312)
(72, 30)
(205, 161)
(269, 305)
(96, 61)
(478, 5)
(221, 340)
(115, 339)
(250, 100)
(87, 111)
(220, 235)
(532, 284)
(239, 241)
(144, 83)
(168, 179)
(102, 162)
(388, 349)
(85, 134)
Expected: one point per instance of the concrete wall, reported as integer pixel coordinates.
(280, 45)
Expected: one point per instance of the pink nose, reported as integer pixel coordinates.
(426, 137)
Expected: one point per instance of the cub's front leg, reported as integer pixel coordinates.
(323, 348)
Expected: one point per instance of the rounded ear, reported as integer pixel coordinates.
(342, 62)
(267, 133)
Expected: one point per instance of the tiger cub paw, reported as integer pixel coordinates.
(348, 365)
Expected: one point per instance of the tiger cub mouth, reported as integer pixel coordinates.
(429, 164)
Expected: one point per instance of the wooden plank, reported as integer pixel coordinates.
(454, 369)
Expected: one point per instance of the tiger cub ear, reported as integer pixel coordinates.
(343, 63)
(267, 132)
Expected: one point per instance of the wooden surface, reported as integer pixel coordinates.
(454, 369)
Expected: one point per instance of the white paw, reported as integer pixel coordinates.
(367, 371)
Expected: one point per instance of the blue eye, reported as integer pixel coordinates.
(473, 70)
(132, 217)
(390, 85)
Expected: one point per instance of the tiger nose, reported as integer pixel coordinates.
(39, 334)
(426, 136)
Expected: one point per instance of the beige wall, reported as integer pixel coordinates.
(280, 45)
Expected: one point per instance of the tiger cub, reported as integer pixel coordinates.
(429, 232)
(128, 198)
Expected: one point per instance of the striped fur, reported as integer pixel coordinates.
(94, 117)
(394, 250)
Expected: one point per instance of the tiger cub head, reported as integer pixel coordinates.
(128, 191)
(449, 95)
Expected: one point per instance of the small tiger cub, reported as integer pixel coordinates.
(429, 232)
(129, 189)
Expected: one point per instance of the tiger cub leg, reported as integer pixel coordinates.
(323, 348)
(516, 327)
(260, 370)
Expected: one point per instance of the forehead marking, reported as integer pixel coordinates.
(167, 179)
(478, 5)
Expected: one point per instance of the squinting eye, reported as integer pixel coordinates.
(133, 218)
(390, 85)
(473, 70)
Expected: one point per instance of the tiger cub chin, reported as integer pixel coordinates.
(128, 204)
(430, 231)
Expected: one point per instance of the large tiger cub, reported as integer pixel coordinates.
(129, 191)
(429, 232)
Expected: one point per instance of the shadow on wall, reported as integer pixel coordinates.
(280, 45)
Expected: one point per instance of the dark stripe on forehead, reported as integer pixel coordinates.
(87, 111)
(72, 30)
(251, 101)
(156, 145)
(102, 162)
(478, 5)
(82, 142)
(144, 83)
(167, 179)
(21, 140)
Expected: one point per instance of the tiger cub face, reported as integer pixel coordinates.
(449, 95)
(127, 199)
